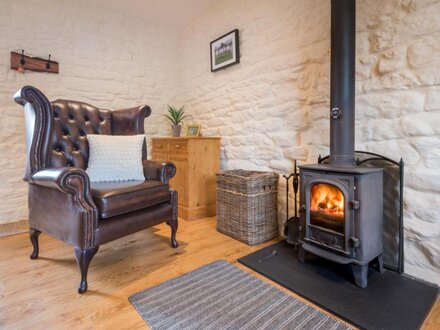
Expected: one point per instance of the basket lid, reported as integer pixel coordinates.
(246, 174)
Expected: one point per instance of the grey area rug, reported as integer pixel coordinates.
(222, 296)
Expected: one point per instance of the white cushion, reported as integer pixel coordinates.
(115, 157)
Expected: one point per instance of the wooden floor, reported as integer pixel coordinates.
(41, 294)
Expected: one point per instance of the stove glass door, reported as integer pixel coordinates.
(327, 204)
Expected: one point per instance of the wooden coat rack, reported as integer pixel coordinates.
(33, 63)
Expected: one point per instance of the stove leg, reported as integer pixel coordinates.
(380, 264)
(360, 273)
(301, 254)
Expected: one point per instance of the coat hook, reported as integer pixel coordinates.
(20, 69)
(48, 63)
(22, 61)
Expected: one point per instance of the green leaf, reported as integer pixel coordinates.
(175, 115)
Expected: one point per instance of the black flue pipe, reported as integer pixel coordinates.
(342, 82)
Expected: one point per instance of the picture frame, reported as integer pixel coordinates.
(225, 51)
(193, 130)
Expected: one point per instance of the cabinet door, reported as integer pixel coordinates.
(180, 180)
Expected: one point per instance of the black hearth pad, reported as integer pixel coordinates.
(390, 301)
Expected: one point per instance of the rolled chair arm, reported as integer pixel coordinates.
(76, 182)
(162, 171)
(64, 179)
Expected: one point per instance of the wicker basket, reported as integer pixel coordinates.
(247, 205)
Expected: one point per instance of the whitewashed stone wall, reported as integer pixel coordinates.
(272, 108)
(398, 88)
(107, 59)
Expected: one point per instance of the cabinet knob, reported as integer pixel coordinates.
(177, 146)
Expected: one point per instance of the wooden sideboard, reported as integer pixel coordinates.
(197, 160)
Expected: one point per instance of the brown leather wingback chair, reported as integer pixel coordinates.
(63, 203)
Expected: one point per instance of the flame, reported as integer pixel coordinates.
(327, 198)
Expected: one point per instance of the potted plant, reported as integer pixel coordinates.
(176, 117)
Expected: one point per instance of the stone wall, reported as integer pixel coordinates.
(398, 102)
(272, 108)
(107, 59)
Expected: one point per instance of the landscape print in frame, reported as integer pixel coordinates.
(225, 51)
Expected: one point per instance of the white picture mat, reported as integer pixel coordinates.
(234, 51)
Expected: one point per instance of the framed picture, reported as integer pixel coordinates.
(192, 130)
(225, 51)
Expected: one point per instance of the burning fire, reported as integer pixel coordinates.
(326, 198)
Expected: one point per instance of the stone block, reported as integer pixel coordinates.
(296, 152)
(390, 105)
(424, 51)
(391, 61)
(380, 129)
(284, 139)
(423, 205)
(381, 39)
(421, 124)
(284, 166)
(428, 148)
(394, 149)
(395, 81)
(433, 99)
(424, 179)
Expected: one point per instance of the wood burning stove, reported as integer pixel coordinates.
(342, 203)
(341, 216)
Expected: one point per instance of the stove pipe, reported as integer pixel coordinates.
(342, 82)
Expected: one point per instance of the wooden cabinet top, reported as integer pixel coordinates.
(187, 138)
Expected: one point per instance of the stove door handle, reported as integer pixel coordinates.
(302, 208)
(355, 241)
(354, 204)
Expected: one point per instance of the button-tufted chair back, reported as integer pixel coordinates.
(72, 121)
(56, 132)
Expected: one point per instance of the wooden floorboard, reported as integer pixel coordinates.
(41, 294)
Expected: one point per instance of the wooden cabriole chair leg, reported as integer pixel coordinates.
(174, 225)
(33, 235)
(174, 222)
(83, 257)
